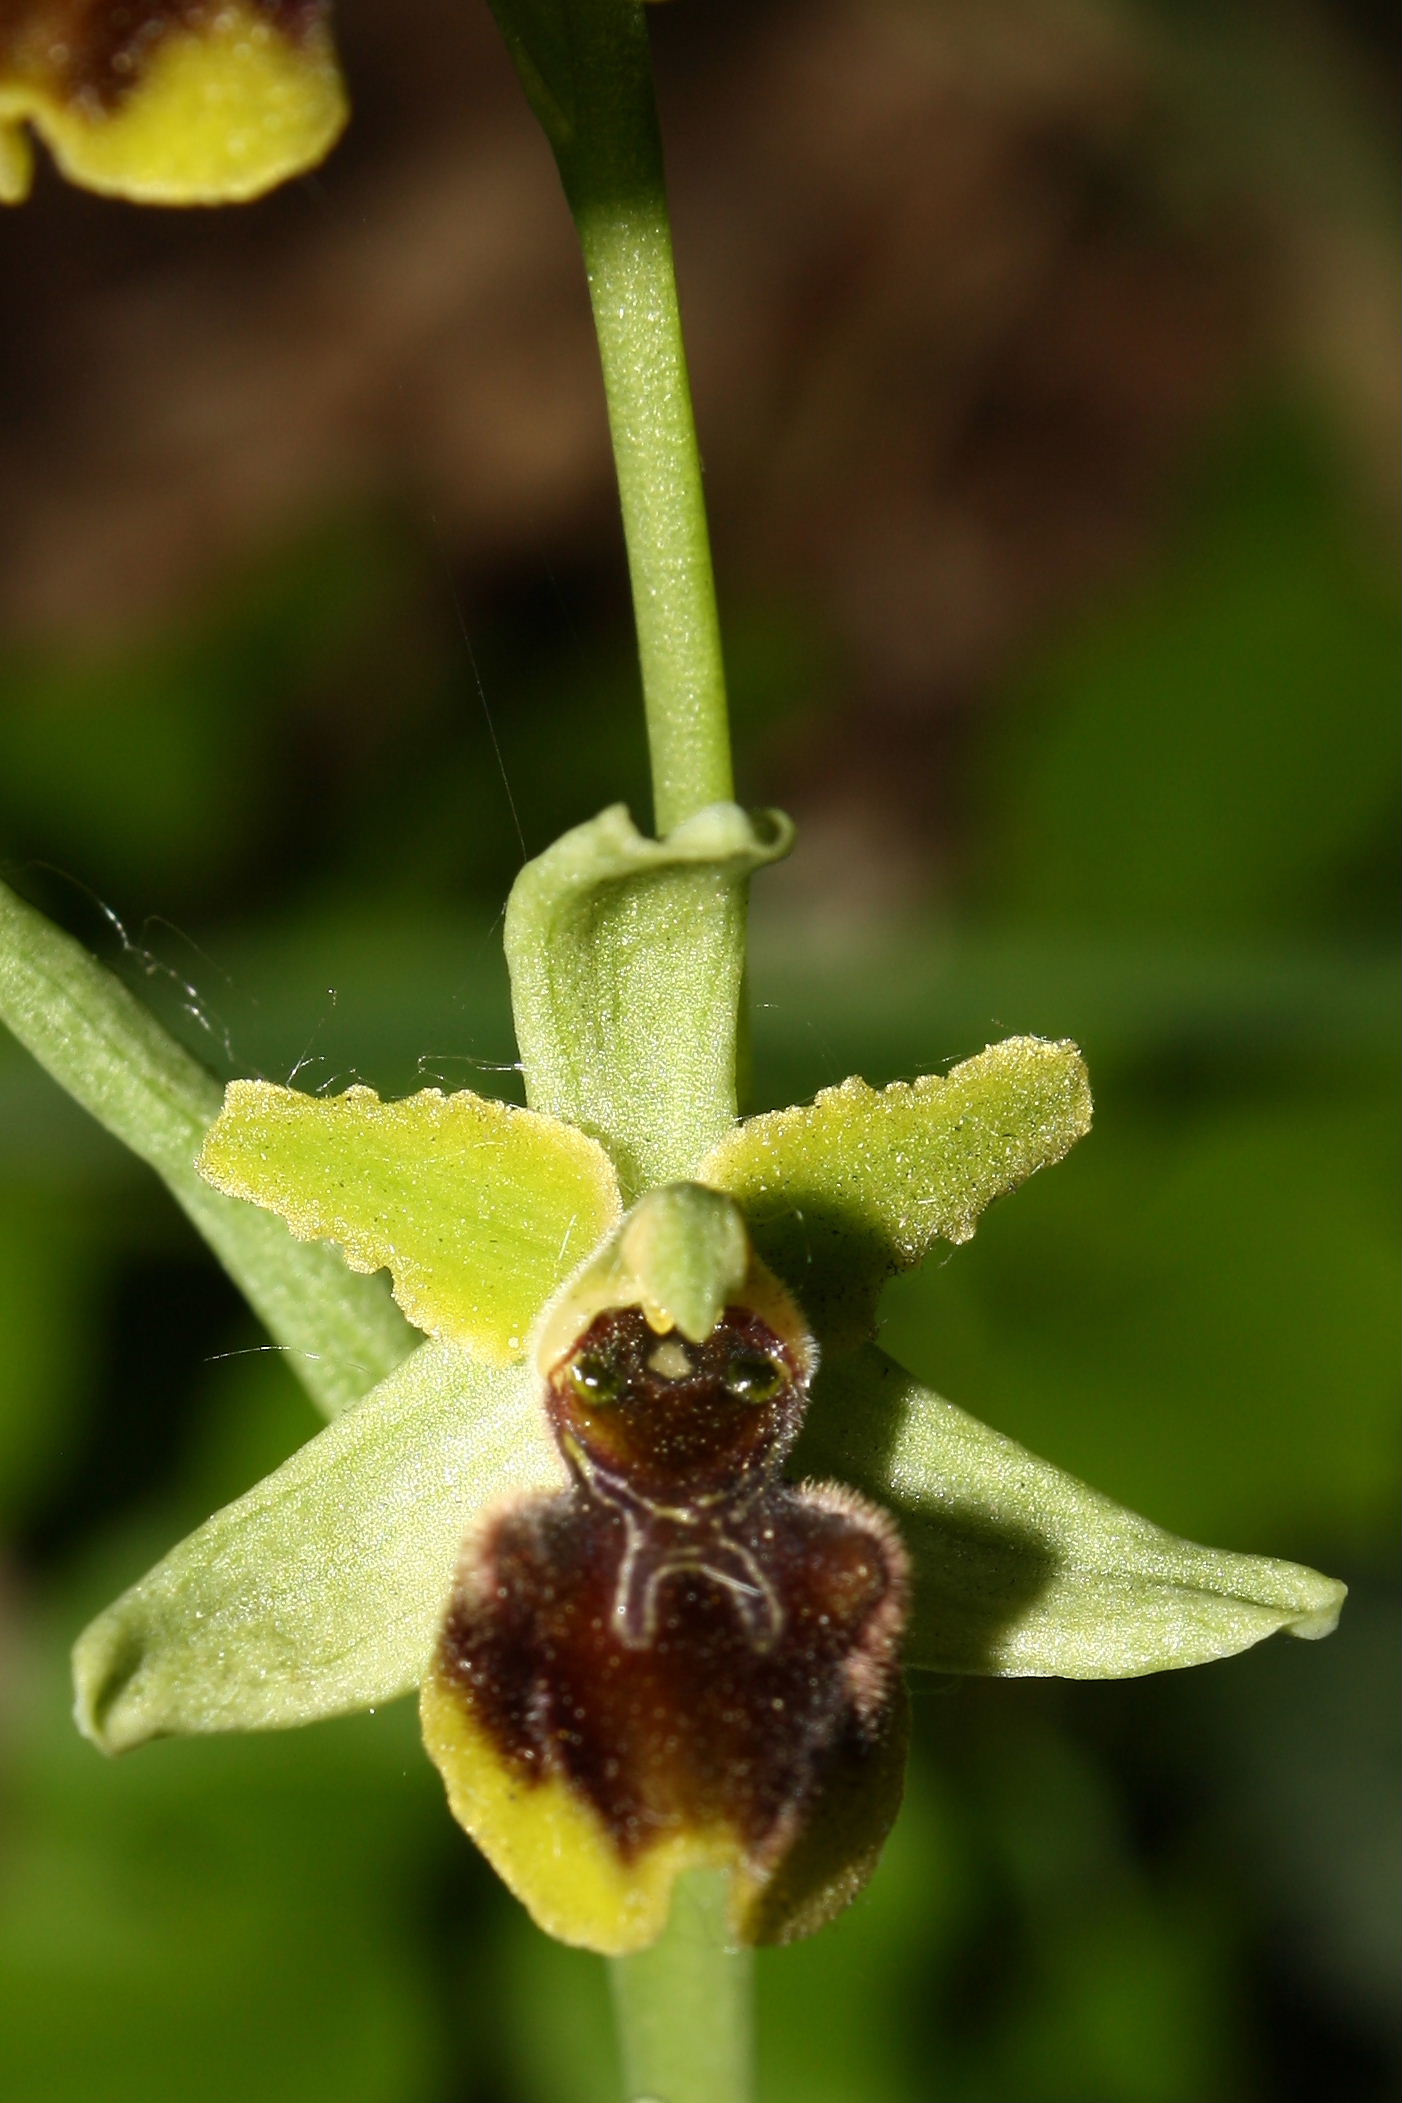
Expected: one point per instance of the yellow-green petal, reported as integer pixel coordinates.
(322, 1590)
(476, 1209)
(860, 1183)
(168, 101)
(1021, 1570)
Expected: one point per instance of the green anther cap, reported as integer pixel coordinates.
(689, 1251)
(683, 1255)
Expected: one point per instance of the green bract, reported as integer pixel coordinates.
(322, 1589)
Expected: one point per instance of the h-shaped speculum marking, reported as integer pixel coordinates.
(663, 1541)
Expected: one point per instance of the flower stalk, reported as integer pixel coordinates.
(683, 2007)
(587, 69)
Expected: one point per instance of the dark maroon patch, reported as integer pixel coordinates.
(686, 1638)
(95, 51)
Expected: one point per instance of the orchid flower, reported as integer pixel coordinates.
(509, 1234)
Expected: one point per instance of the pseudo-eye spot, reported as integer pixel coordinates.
(680, 1659)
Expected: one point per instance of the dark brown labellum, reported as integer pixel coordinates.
(688, 1644)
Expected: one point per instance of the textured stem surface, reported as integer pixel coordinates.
(611, 162)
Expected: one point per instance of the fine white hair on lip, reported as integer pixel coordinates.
(671, 1359)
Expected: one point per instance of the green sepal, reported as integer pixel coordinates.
(861, 1182)
(476, 1209)
(341, 1333)
(1019, 1569)
(626, 958)
(322, 1589)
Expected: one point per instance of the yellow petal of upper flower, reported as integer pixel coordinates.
(168, 101)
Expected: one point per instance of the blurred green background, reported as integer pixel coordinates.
(1043, 362)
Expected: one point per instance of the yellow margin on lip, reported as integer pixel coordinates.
(548, 1846)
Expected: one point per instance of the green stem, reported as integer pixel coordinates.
(683, 2006)
(587, 68)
